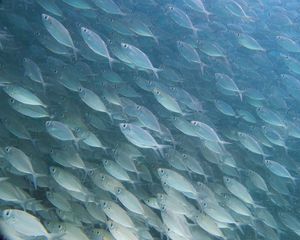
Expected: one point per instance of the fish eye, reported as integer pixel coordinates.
(125, 45)
(184, 155)
(138, 107)
(119, 190)
(162, 171)
(6, 213)
(46, 17)
(12, 100)
(205, 204)
(7, 149)
(59, 226)
(227, 179)
(124, 125)
(84, 30)
(106, 162)
(238, 34)
(52, 169)
(103, 178)
(80, 89)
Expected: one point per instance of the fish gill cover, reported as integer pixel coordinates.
(149, 119)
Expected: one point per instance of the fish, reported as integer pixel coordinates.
(59, 32)
(26, 224)
(95, 43)
(149, 119)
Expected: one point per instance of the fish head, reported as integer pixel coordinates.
(124, 45)
(7, 214)
(179, 44)
(106, 162)
(169, 8)
(48, 124)
(91, 172)
(156, 92)
(268, 162)
(111, 225)
(259, 109)
(26, 60)
(53, 171)
(104, 204)
(81, 91)
(226, 180)
(7, 150)
(84, 30)
(49, 195)
(124, 127)
(204, 205)
(195, 123)
(118, 190)
(46, 19)
(161, 172)
(12, 101)
(241, 134)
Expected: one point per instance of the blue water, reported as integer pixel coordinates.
(129, 119)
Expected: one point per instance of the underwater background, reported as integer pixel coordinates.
(149, 119)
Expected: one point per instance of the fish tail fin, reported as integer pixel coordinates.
(156, 71)
(250, 19)
(225, 143)
(34, 178)
(76, 143)
(202, 66)
(160, 149)
(75, 53)
(111, 61)
(156, 39)
(208, 14)
(241, 93)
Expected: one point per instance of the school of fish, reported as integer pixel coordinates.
(149, 119)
